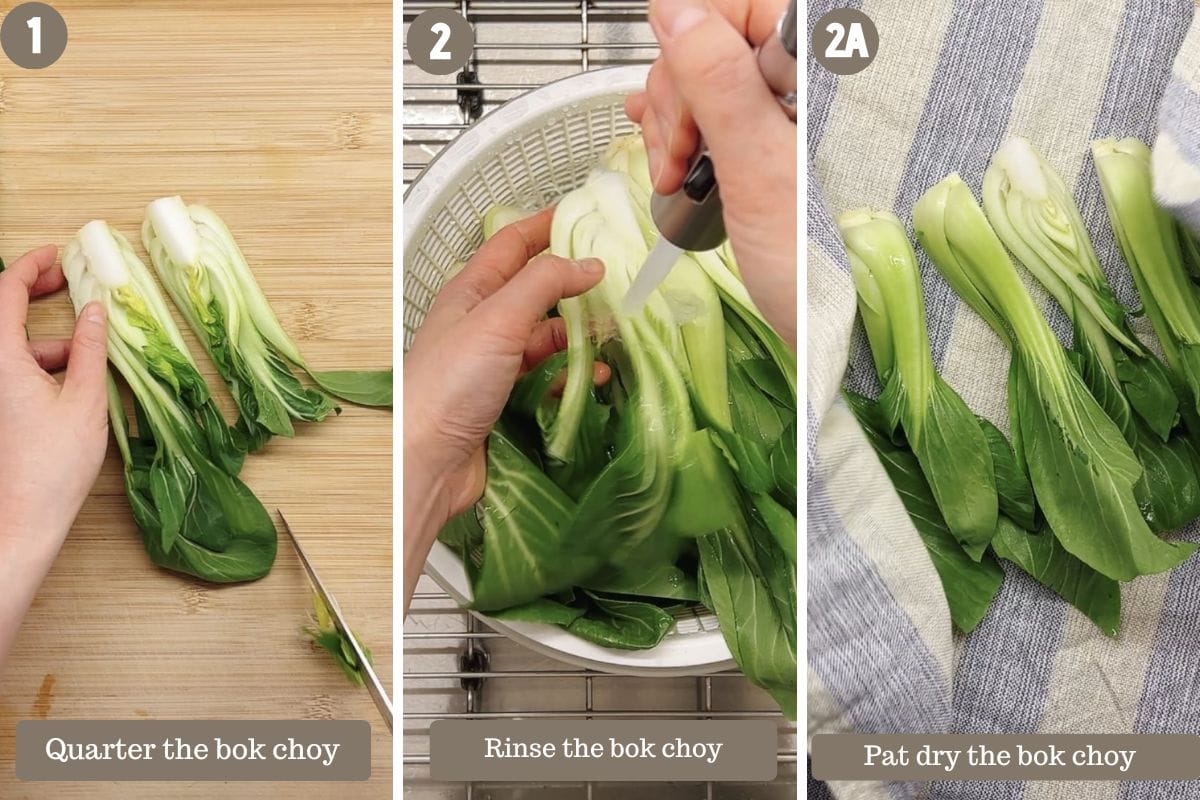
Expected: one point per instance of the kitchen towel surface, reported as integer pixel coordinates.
(950, 82)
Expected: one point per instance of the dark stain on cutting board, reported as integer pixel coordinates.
(45, 697)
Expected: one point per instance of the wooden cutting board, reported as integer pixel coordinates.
(278, 116)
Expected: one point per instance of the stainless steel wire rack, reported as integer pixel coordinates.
(454, 666)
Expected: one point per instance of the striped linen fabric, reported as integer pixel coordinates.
(951, 81)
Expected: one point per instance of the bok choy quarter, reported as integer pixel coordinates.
(1082, 469)
(943, 433)
(207, 276)
(1036, 218)
(1150, 242)
(180, 467)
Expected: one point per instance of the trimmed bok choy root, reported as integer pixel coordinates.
(943, 433)
(202, 267)
(607, 508)
(1082, 469)
(180, 469)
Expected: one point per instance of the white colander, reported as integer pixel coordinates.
(527, 153)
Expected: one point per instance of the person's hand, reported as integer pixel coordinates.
(486, 328)
(706, 83)
(52, 436)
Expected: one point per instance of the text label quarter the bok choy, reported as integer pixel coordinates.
(180, 468)
(1033, 214)
(608, 509)
(943, 433)
(202, 267)
(1082, 469)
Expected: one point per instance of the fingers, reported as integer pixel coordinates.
(549, 337)
(51, 354)
(87, 363)
(494, 264)
(675, 137)
(19, 281)
(713, 68)
(49, 281)
(601, 373)
(754, 19)
(513, 311)
(635, 106)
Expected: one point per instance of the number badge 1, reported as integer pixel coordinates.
(33, 35)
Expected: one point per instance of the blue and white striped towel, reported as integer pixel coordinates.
(951, 81)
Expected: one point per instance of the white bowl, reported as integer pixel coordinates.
(526, 153)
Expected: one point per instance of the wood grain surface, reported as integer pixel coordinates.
(278, 116)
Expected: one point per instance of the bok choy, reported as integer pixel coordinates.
(1082, 469)
(207, 276)
(608, 509)
(1150, 241)
(181, 466)
(1031, 211)
(943, 433)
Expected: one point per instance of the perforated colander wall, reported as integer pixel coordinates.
(529, 170)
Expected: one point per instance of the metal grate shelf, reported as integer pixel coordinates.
(454, 667)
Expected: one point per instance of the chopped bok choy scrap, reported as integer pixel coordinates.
(181, 466)
(324, 633)
(607, 508)
(207, 276)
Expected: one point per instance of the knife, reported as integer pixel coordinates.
(372, 682)
(690, 219)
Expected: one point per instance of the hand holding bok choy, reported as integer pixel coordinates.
(52, 436)
(706, 84)
(607, 508)
(207, 276)
(180, 467)
(483, 332)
